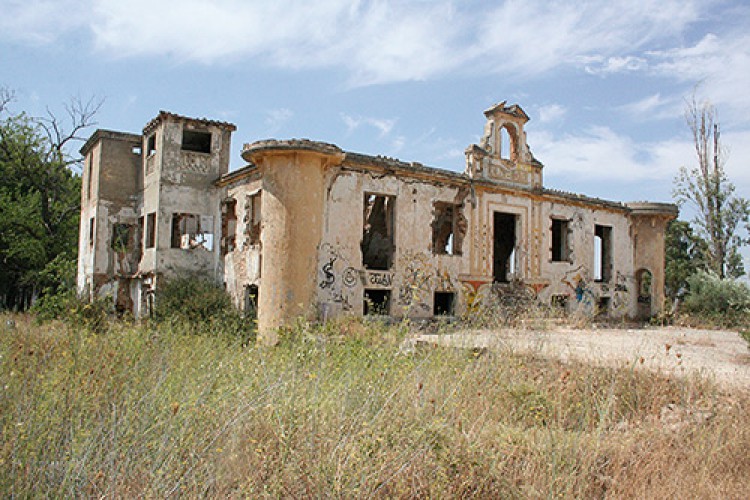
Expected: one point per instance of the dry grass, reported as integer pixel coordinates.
(343, 411)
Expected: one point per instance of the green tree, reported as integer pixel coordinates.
(39, 198)
(721, 216)
(684, 256)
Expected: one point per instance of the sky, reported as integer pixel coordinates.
(604, 82)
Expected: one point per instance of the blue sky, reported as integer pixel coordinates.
(604, 82)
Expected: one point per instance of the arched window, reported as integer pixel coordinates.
(507, 145)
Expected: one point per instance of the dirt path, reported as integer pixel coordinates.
(721, 355)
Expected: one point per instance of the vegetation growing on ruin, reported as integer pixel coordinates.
(345, 410)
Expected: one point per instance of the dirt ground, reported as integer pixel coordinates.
(721, 355)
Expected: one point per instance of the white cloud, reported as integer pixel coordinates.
(375, 41)
(616, 64)
(40, 21)
(601, 154)
(720, 65)
(533, 36)
(655, 107)
(276, 118)
(551, 113)
(383, 125)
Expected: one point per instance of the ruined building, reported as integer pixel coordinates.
(307, 229)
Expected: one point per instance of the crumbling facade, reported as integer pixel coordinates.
(307, 229)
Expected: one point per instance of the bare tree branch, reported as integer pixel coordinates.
(6, 97)
(80, 116)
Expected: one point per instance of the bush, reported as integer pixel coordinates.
(205, 306)
(716, 302)
(58, 293)
(710, 294)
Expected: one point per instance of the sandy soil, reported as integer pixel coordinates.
(721, 355)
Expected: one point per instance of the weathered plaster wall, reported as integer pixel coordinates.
(308, 260)
(576, 278)
(416, 272)
(179, 182)
(111, 180)
(292, 214)
(242, 265)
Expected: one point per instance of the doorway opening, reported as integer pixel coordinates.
(504, 245)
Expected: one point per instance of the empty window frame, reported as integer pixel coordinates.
(377, 233)
(252, 219)
(504, 245)
(89, 173)
(251, 301)
(560, 240)
(602, 253)
(228, 225)
(141, 229)
(377, 302)
(559, 301)
(505, 145)
(151, 145)
(602, 306)
(191, 231)
(122, 237)
(448, 229)
(92, 223)
(196, 140)
(444, 304)
(151, 230)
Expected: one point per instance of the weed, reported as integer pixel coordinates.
(340, 410)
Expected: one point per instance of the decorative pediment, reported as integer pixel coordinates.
(503, 154)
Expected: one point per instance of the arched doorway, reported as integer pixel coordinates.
(644, 282)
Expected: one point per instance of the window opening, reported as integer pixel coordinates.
(90, 171)
(91, 231)
(560, 245)
(602, 253)
(448, 229)
(151, 230)
(443, 304)
(141, 229)
(559, 301)
(228, 225)
(136, 150)
(121, 237)
(252, 219)
(197, 141)
(251, 301)
(377, 302)
(505, 144)
(504, 243)
(377, 235)
(191, 231)
(151, 145)
(602, 306)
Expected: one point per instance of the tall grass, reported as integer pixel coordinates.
(344, 411)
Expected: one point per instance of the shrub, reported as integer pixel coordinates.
(710, 294)
(205, 305)
(716, 302)
(58, 292)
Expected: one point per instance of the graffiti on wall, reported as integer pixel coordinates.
(578, 282)
(329, 278)
(416, 277)
(621, 294)
(334, 278)
(413, 284)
